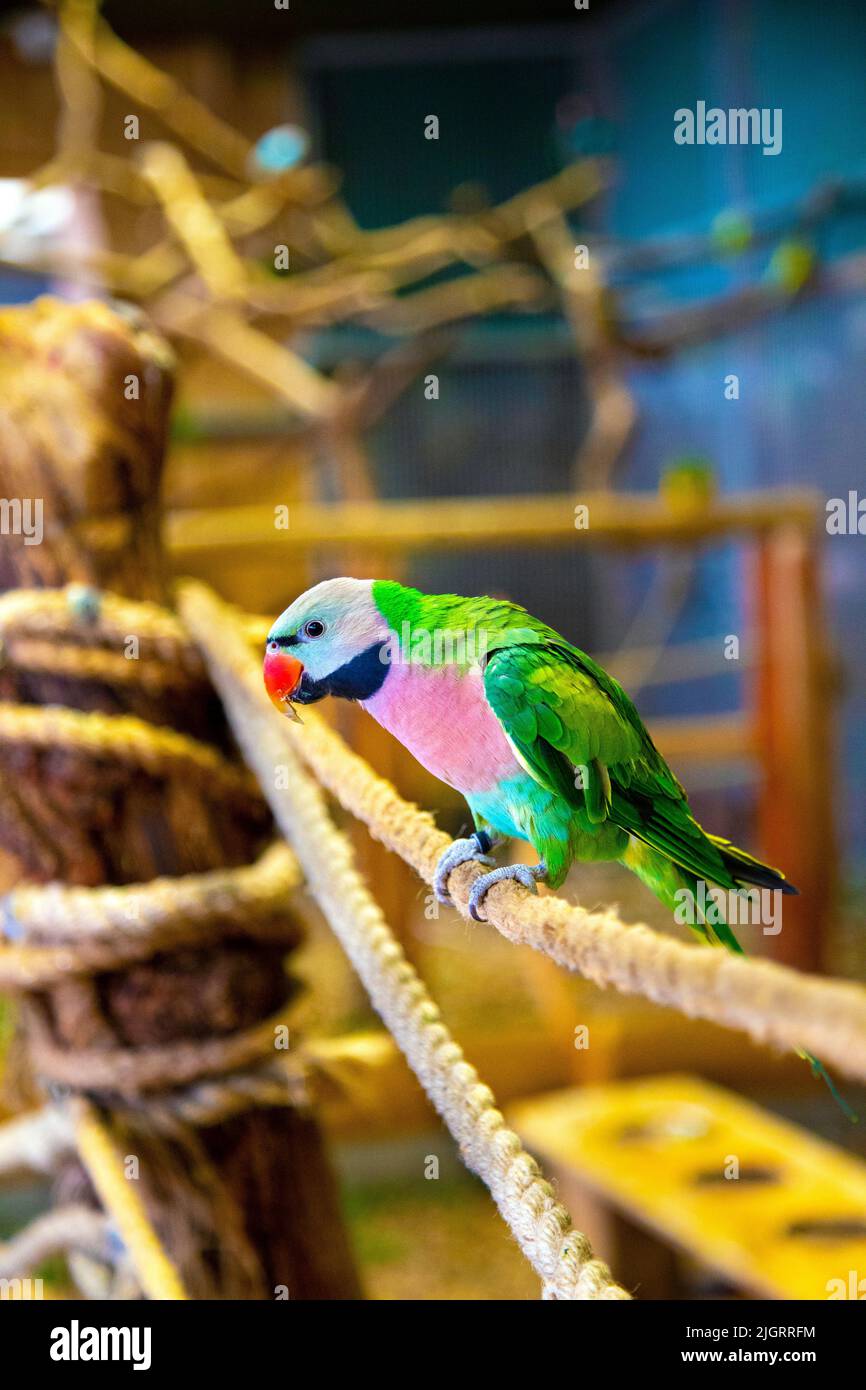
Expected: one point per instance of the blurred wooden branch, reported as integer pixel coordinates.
(199, 281)
(629, 520)
(188, 212)
(134, 76)
(516, 255)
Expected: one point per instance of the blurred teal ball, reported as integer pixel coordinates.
(281, 148)
(84, 601)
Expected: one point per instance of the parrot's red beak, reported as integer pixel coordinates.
(282, 673)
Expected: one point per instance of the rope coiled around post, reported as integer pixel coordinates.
(134, 1071)
(123, 738)
(63, 935)
(66, 930)
(561, 1256)
(49, 615)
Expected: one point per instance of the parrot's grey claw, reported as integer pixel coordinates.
(473, 849)
(527, 874)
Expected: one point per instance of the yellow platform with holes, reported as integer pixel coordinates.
(663, 1153)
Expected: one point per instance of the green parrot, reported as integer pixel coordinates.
(543, 744)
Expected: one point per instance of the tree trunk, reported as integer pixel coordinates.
(248, 1206)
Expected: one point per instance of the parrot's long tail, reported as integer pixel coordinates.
(695, 905)
(819, 1070)
(747, 871)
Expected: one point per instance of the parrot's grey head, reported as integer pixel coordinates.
(330, 641)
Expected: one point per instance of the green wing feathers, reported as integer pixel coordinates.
(578, 734)
(563, 713)
(556, 715)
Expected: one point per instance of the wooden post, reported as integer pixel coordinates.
(84, 398)
(793, 727)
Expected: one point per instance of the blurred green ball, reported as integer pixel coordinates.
(791, 265)
(732, 231)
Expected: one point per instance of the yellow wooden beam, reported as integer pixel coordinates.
(632, 520)
(105, 1166)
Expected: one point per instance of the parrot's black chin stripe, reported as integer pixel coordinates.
(308, 691)
(359, 679)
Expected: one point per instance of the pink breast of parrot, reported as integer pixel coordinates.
(442, 716)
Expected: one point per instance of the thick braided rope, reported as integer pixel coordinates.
(560, 1255)
(81, 931)
(83, 636)
(50, 614)
(58, 912)
(133, 1071)
(71, 930)
(54, 1233)
(210, 1102)
(123, 738)
(770, 1002)
(37, 1142)
(79, 663)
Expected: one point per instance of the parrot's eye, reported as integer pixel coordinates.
(273, 646)
(313, 628)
